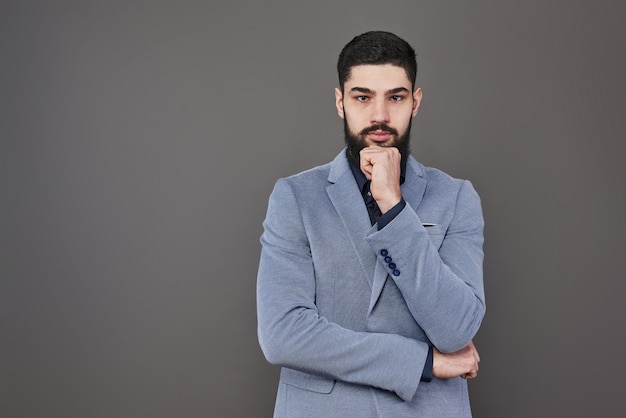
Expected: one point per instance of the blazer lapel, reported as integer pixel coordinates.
(348, 203)
(414, 183)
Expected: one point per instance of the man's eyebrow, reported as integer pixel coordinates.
(398, 90)
(362, 90)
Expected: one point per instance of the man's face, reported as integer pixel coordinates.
(377, 106)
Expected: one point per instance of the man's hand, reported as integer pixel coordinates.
(462, 363)
(381, 165)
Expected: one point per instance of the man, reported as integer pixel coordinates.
(370, 287)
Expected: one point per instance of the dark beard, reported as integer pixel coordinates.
(356, 143)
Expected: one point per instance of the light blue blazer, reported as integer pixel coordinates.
(349, 311)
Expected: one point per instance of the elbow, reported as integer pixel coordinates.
(284, 338)
(459, 336)
(452, 344)
(272, 352)
(270, 348)
(275, 344)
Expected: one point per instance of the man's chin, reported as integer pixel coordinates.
(388, 143)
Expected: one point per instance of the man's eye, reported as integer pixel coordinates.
(396, 98)
(361, 98)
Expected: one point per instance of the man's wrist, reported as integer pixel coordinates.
(390, 215)
(387, 204)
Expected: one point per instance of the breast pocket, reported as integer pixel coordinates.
(436, 233)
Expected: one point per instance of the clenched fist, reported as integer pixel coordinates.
(462, 363)
(381, 165)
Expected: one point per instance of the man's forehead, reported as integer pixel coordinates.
(385, 76)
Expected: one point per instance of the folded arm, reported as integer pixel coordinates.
(442, 286)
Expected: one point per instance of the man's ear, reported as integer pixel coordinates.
(417, 99)
(339, 102)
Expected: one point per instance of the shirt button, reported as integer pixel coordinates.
(384, 252)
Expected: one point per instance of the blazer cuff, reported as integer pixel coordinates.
(427, 373)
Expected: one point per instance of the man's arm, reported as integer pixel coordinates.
(442, 286)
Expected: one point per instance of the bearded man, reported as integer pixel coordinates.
(370, 289)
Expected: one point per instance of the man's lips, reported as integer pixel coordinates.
(379, 135)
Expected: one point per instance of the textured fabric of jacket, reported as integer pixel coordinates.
(349, 311)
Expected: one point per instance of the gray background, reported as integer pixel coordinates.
(140, 141)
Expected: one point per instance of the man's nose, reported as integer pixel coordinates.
(380, 112)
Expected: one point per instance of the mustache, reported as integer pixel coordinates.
(379, 127)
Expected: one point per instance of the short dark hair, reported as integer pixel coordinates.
(376, 47)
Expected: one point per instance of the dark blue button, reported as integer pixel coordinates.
(387, 259)
(396, 272)
(392, 266)
(384, 252)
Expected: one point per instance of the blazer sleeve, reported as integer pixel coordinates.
(443, 286)
(293, 334)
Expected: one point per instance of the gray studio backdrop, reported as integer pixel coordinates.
(140, 142)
